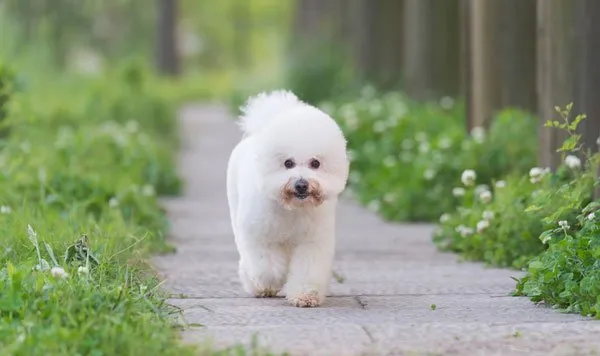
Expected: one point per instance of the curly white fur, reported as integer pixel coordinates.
(286, 240)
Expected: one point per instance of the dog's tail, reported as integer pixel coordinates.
(259, 110)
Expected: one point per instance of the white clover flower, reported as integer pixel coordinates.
(468, 177)
(421, 136)
(132, 126)
(375, 108)
(446, 102)
(591, 216)
(379, 126)
(481, 188)
(113, 202)
(488, 215)
(482, 225)
(564, 224)
(500, 184)
(390, 197)
(389, 161)
(445, 143)
(83, 270)
(464, 231)
(429, 174)
(374, 205)
(458, 192)
(4, 209)
(485, 196)
(58, 272)
(478, 134)
(407, 144)
(444, 218)
(148, 190)
(573, 162)
(536, 174)
(424, 147)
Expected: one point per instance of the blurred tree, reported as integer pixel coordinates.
(587, 64)
(517, 31)
(499, 57)
(484, 93)
(431, 42)
(554, 72)
(167, 58)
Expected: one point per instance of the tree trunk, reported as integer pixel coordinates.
(431, 55)
(587, 64)
(517, 33)
(554, 72)
(167, 58)
(484, 98)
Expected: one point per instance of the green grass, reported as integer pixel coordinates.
(85, 157)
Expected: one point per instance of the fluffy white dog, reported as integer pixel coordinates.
(283, 183)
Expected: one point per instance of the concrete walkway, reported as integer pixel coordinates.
(393, 276)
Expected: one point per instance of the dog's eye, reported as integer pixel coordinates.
(315, 164)
(289, 164)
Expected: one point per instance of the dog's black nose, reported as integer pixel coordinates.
(301, 186)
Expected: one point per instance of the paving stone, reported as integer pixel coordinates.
(392, 275)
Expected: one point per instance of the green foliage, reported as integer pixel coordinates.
(567, 274)
(80, 171)
(545, 222)
(407, 157)
(317, 70)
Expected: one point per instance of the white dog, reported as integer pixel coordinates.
(283, 183)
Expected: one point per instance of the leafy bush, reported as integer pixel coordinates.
(407, 157)
(79, 175)
(567, 273)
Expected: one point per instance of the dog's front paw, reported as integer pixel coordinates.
(266, 293)
(306, 300)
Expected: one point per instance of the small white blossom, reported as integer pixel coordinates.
(485, 196)
(424, 147)
(488, 215)
(591, 216)
(446, 102)
(444, 218)
(500, 184)
(464, 231)
(536, 174)
(113, 202)
(148, 190)
(564, 224)
(389, 161)
(421, 137)
(58, 272)
(445, 143)
(132, 126)
(83, 270)
(5, 209)
(573, 162)
(379, 126)
(374, 206)
(468, 177)
(478, 134)
(390, 197)
(429, 174)
(482, 225)
(481, 188)
(407, 144)
(458, 192)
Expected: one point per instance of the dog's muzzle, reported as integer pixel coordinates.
(301, 189)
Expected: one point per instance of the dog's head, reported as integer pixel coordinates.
(301, 158)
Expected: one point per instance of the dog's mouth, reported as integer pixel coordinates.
(301, 196)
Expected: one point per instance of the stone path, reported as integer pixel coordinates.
(392, 277)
